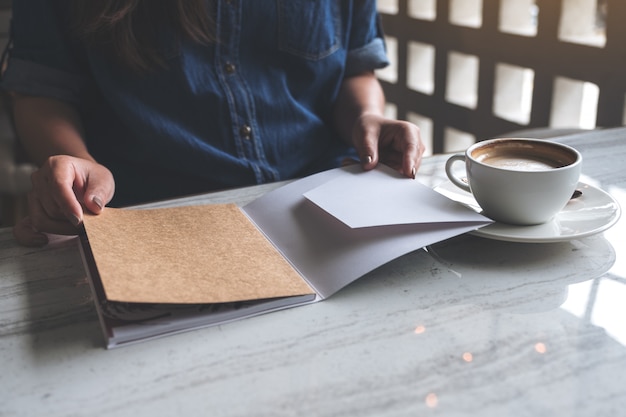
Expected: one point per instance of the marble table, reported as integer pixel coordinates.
(470, 326)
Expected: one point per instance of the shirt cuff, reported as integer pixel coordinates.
(367, 58)
(33, 79)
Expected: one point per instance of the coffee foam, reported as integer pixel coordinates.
(518, 163)
(522, 156)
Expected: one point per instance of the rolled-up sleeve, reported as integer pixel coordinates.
(366, 49)
(41, 60)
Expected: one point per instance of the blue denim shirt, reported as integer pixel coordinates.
(253, 107)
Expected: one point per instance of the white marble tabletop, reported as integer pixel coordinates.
(469, 327)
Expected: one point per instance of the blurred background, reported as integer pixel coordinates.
(466, 70)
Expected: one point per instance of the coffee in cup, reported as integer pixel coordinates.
(519, 180)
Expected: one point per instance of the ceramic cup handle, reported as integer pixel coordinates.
(459, 157)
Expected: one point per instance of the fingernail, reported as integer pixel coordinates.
(74, 219)
(97, 201)
(368, 159)
(413, 172)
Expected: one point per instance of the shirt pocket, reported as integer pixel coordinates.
(309, 29)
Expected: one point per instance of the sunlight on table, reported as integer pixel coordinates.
(598, 300)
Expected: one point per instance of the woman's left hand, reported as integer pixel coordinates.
(393, 142)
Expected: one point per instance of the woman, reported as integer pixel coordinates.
(127, 101)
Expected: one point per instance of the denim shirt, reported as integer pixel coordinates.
(253, 107)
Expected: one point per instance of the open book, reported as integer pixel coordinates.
(161, 271)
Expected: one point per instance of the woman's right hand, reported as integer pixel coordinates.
(63, 188)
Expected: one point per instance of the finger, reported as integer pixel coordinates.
(26, 235)
(366, 144)
(52, 187)
(407, 136)
(410, 160)
(61, 191)
(40, 221)
(42, 192)
(404, 139)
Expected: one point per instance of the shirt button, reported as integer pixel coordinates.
(229, 68)
(246, 131)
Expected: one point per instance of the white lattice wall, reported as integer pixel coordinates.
(466, 70)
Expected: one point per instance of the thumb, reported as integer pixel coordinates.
(98, 193)
(94, 203)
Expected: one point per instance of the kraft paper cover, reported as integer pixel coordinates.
(192, 254)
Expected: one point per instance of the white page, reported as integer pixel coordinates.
(384, 197)
(329, 254)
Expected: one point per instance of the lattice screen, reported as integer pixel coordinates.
(466, 70)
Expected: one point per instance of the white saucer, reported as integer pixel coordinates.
(593, 212)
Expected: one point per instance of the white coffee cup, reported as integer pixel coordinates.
(518, 180)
